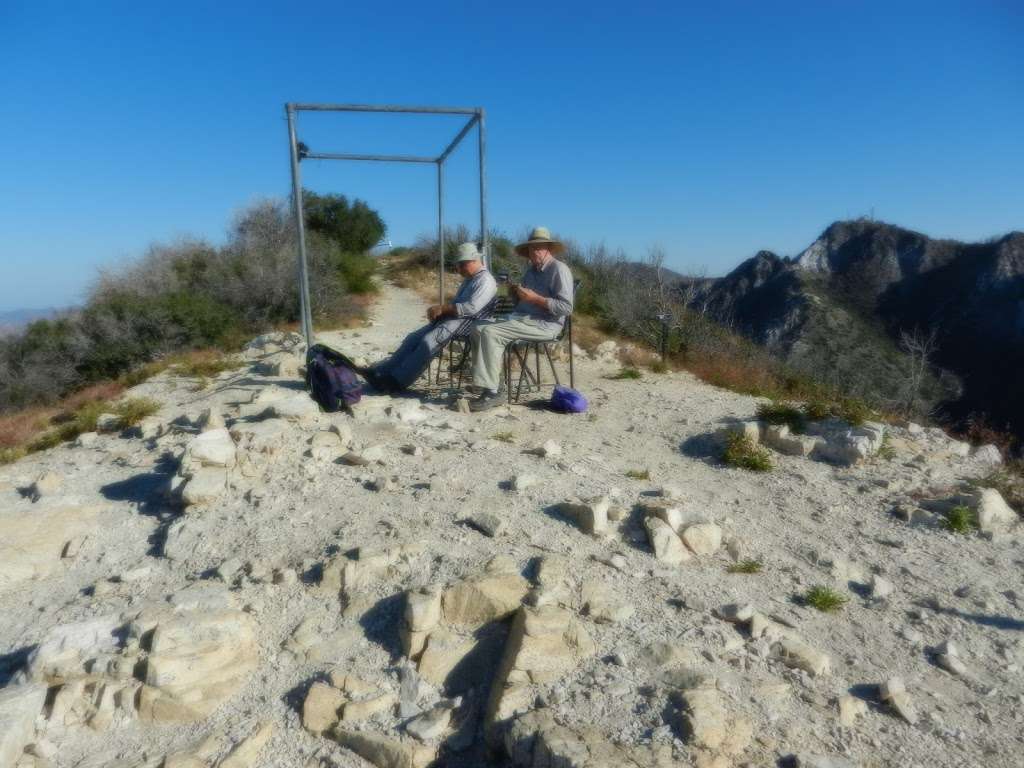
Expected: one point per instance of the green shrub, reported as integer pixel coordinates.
(817, 410)
(11, 455)
(886, 450)
(824, 599)
(742, 452)
(782, 413)
(357, 271)
(659, 366)
(505, 437)
(853, 411)
(134, 410)
(960, 519)
(638, 474)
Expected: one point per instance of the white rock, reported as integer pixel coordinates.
(881, 588)
(213, 448)
(549, 450)
(987, 455)
(205, 486)
(325, 446)
(591, 515)
(47, 484)
(703, 538)
(108, 422)
(994, 514)
(20, 705)
(523, 481)
(298, 408)
(667, 546)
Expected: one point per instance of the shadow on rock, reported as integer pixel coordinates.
(382, 623)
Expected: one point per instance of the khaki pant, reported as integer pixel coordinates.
(490, 337)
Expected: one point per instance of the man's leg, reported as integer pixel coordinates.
(489, 341)
(407, 368)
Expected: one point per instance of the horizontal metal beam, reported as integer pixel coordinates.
(370, 158)
(383, 108)
(455, 142)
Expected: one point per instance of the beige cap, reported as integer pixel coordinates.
(468, 252)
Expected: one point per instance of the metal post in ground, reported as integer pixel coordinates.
(306, 315)
(482, 147)
(664, 318)
(440, 231)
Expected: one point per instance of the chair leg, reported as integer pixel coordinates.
(551, 363)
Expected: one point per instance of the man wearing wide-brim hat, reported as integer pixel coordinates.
(473, 300)
(544, 301)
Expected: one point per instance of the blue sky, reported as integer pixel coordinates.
(709, 129)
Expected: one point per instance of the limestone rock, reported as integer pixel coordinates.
(598, 602)
(894, 692)
(422, 614)
(384, 751)
(325, 446)
(703, 538)
(667, 546)
(850, 708)
(780, 438)
(669, 511)
(205, 486)
(487, 523)
(535, 739)
(431, 725)
(710, 726)
(591, 516)
(31, 545)
(994, 514)
(298, 408)
(750, 428)
(477, 601)
(20, 705)
(364, 709)
(523, 481)
(364, 457)
(213, 448)
(987, 455)
(544, 643)
(796, 653)
(108, 422)
(246, 753)
(197, 660)
(881, 588)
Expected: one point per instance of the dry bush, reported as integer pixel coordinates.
(17, 429)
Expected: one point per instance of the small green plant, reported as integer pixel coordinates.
(10, 455)
(505, 437)
(134, 410)
(853, 411)
(782, 413)
(746, 566)
(817, 410)
(626, 373)
(659, 366)
(960, 519)
(638, 474)
(740, 451)
(824, 599)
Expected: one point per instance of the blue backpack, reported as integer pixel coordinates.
(331, 379)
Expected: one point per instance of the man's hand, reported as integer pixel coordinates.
(531, 297)
(434, 312)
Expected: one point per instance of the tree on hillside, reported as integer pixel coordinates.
(355, 227)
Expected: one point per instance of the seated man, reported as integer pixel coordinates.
(475, 296)
(544, 301)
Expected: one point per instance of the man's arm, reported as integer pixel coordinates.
(560, 304)
(481, 294)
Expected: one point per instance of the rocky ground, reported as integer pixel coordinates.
(243, 581)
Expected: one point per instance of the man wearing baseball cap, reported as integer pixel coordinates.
(475, 295)
(545, 299)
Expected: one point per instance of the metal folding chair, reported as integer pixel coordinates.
(518, 353)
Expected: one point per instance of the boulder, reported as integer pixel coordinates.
(422, 614)
(47, 484)
(213, 448)
(894, 692)
(749, 428)
(298, 408)
(796, 653)
(702, 538)
(994, 514)
(591, 515)
(204, 486)
(667, 546)
(543, 645)
(987, 455)
(197, 660)
(477, 601)
(780, 438)
(245, 754)
(384, 751)
(20, 705)
(364, 709)
(710, 726)
(31, 545)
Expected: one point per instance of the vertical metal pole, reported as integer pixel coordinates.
(440, 231)
(482, 146)
(300, 228)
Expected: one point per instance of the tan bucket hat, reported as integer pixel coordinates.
(468, 252)
(538, 236)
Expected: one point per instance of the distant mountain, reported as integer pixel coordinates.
(842, 307)
(14, 320)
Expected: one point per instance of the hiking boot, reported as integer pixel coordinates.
(486, 401)
(381, 381)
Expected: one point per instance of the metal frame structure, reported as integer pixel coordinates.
(300, 152)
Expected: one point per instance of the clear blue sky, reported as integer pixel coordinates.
(710, 129)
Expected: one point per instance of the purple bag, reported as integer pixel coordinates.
(332, 379)
(565, 400)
